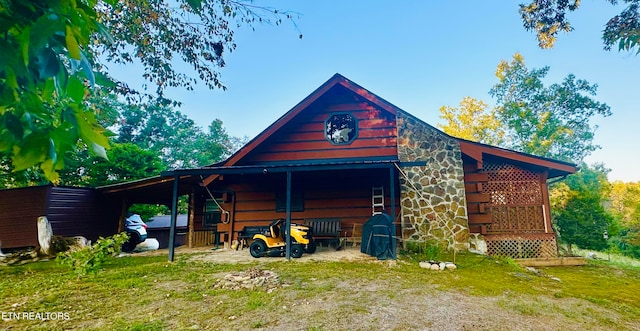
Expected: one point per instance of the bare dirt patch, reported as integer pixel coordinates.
(227, 255)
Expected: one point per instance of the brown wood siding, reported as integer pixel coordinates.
(345, 195)
(477, 199)
(19, 212)
(303, 139)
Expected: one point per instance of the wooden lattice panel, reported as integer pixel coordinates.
(521, 219)
(525, 246)
(516, 199)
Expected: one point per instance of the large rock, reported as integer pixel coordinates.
(45, 234)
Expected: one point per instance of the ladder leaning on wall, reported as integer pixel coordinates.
(377, 200)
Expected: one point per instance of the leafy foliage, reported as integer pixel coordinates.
(549, 17)
(551, 121)
(45, 73)
(147, 211)
(472, 121)
(583, 221)
(31, 176)
(624, 28)
(126, 162)
(50, 69)
(160, 34)
(578, 210)
(546, 121)
(174, 137)
(90, 259)
(624, 201)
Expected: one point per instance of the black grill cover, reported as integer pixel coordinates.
(377, 237)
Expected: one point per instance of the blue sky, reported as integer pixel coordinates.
(418, 55)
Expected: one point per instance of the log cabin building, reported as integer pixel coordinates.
(345, 153)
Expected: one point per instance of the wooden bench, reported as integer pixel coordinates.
(325, 230)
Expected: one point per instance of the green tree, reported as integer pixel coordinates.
(582, 222)
(50, 64)
(126, 162)
(472, 121)
(549, 17)
(216, 144)
(548, 121)
(624, 204)
(173, 136)
(579, 214)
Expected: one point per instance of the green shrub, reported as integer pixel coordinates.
(425, 250)
(91, 258)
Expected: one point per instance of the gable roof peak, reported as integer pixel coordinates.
(336, 79)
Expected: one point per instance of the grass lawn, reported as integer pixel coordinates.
(149, 293)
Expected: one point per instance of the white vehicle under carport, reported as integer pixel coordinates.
(137, 231)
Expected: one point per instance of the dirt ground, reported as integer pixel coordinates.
(227, 255)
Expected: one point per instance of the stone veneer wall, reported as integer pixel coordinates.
(433, 203)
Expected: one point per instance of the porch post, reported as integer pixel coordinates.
(192, 215)
(174, 215)
(123, 214)
(392, 198)
(288, 216)
(546, 205)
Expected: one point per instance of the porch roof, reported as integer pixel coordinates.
(280, 168)
(158, 189)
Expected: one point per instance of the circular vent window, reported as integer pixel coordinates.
(341, 129)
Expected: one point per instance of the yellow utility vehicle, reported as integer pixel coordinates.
(272, 241)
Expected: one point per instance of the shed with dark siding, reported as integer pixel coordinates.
(72, 211)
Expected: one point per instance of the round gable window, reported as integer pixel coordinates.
(341, 129)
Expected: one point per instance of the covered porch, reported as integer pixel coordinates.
(225, 199)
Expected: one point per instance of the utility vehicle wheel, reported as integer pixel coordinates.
(296, 251)
(257, 248)
(311, 247)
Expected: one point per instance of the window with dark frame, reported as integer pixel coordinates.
(297, 200)
(212, 213)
